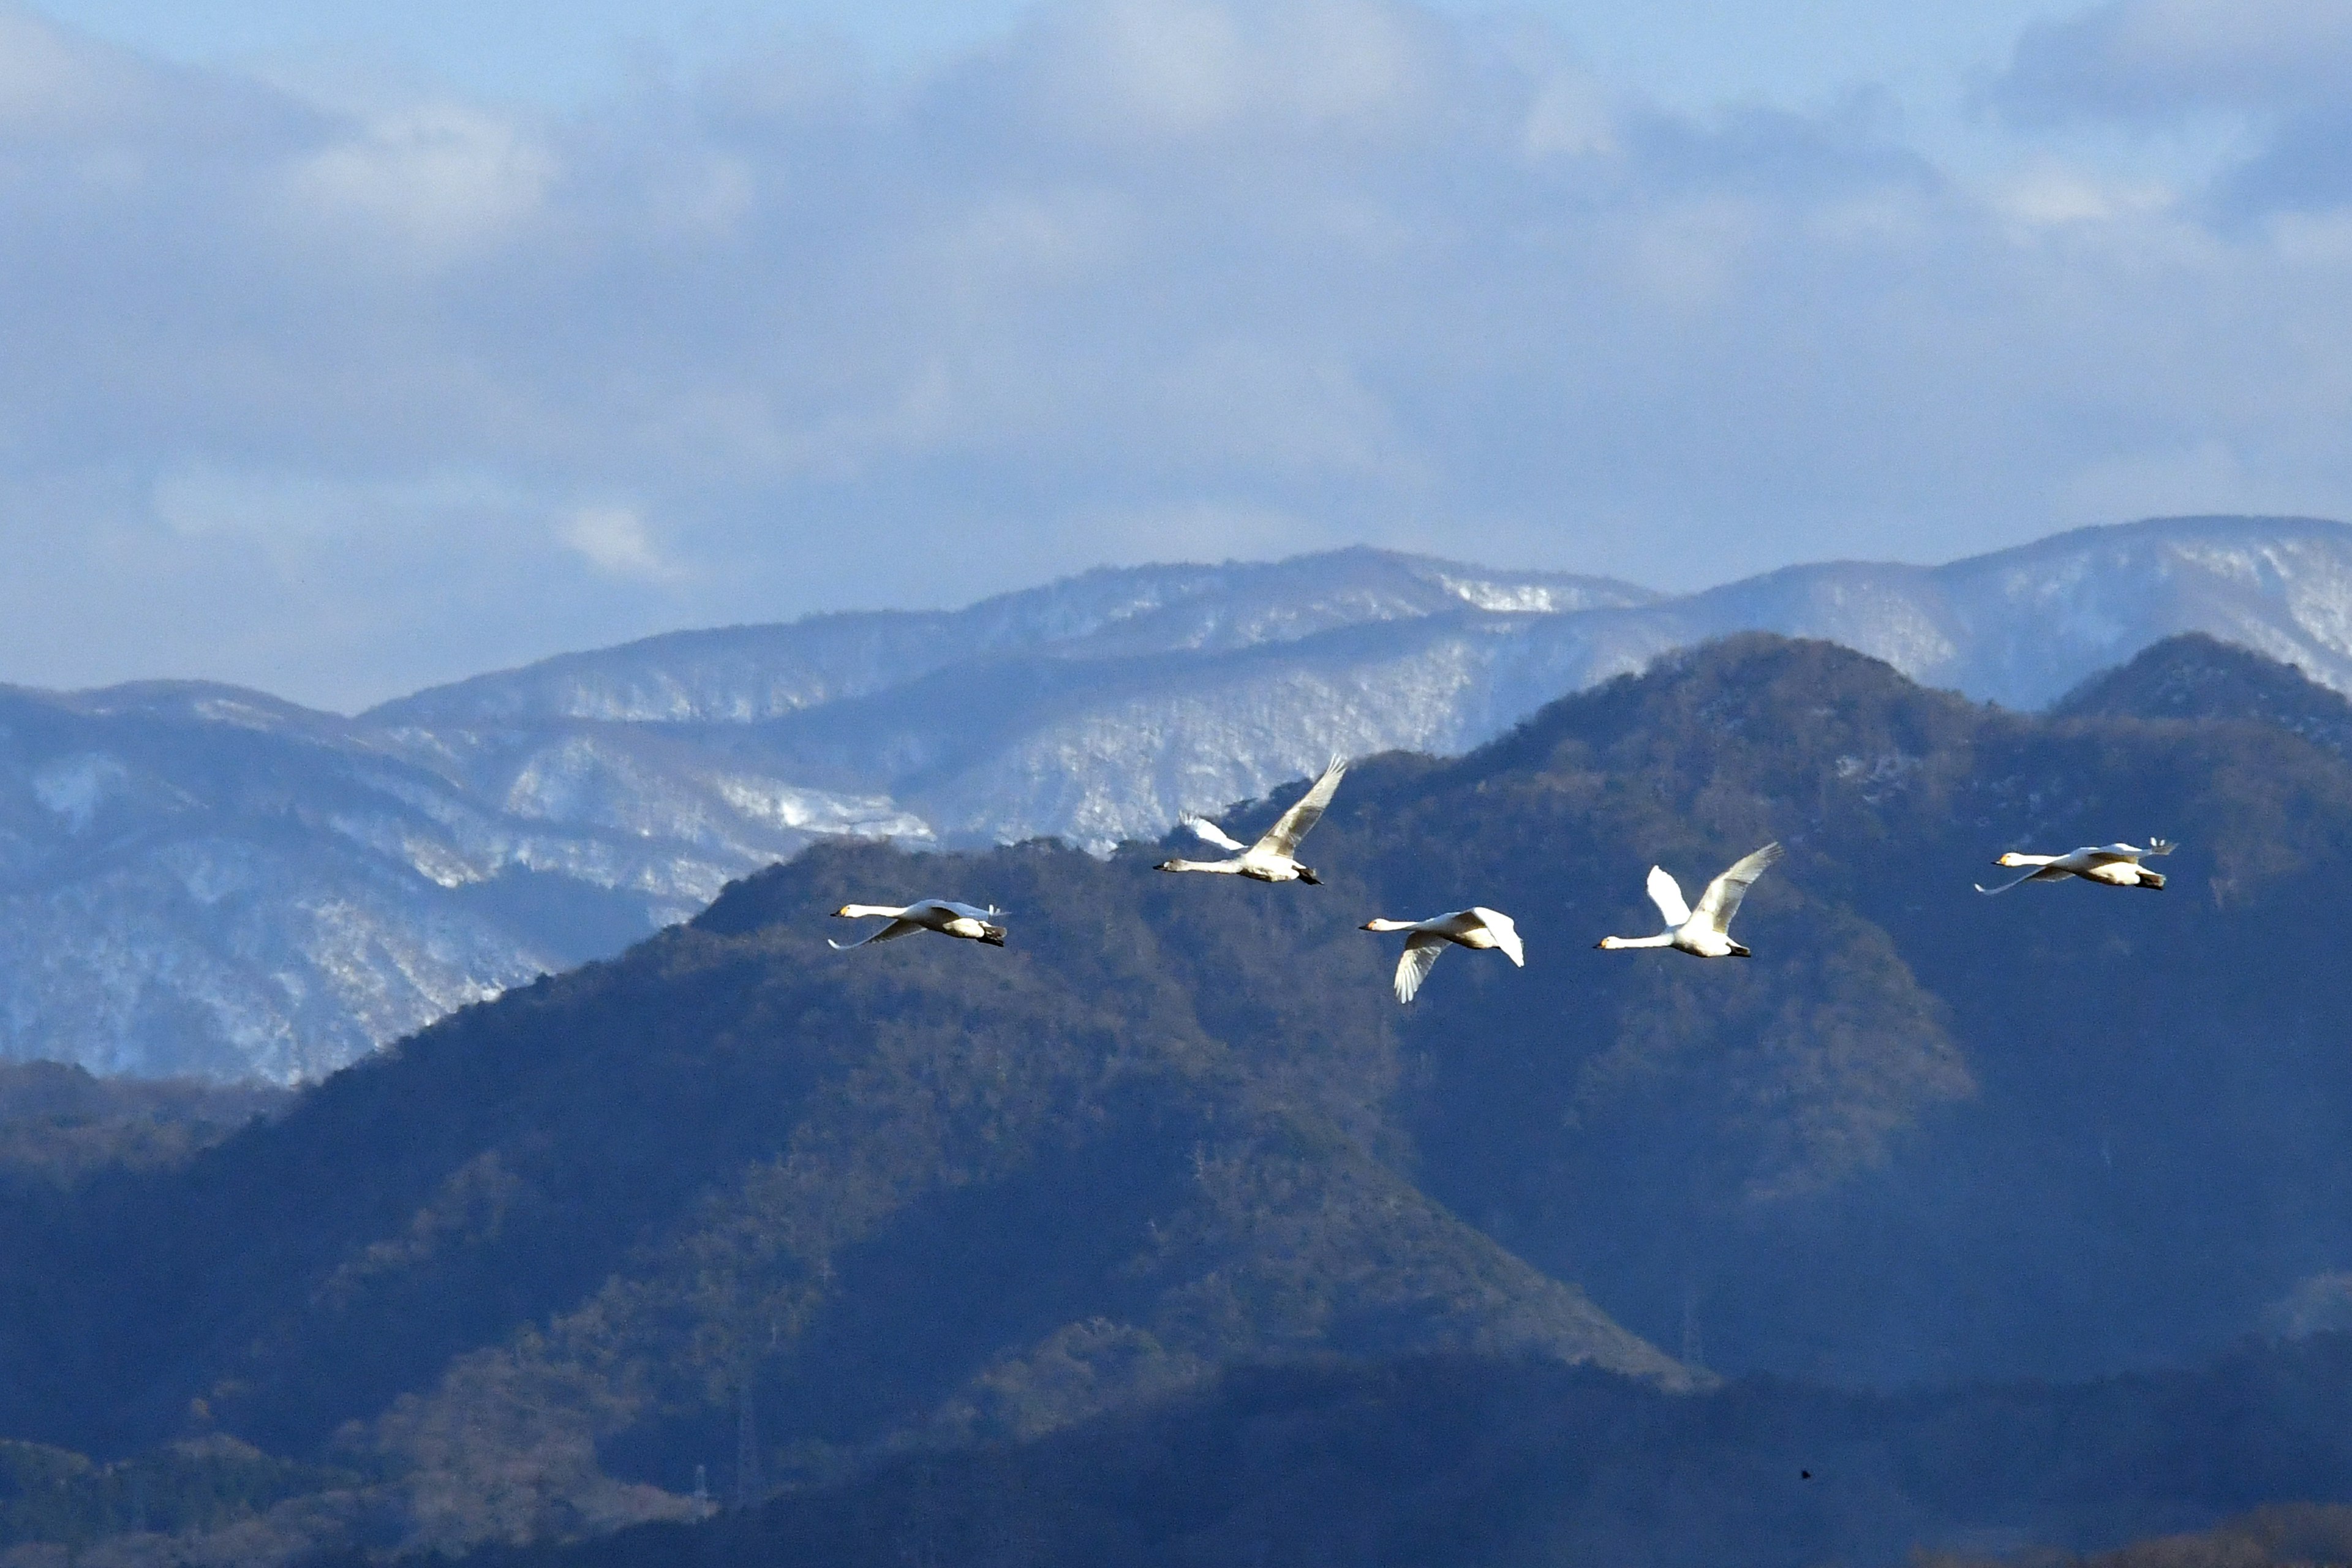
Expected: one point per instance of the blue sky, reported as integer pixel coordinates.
(357, 347)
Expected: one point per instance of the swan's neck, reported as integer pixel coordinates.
(859, 911)
(1664, 938)
(1386, 924)
(1226, 866)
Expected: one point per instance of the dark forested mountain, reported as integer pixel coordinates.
(2197, 676)
(737, 1191)
(60, 1121)
(199, 880)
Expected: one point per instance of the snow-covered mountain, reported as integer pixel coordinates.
(203, 881)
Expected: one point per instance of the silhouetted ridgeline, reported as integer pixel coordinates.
(59, 1122)
(1452, 1463)
(519, 1277)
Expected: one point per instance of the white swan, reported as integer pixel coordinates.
(1476, 927)
(1706, 934)
(1272, 858)
(929, 914)
(2116, 864)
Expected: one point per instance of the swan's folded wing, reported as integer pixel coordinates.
(2131, 852)
(1420, 955)
(890, 933)
(1283, 838)
(1721, 900)
(1203, 829)
(1667, 894)
(1507, 935)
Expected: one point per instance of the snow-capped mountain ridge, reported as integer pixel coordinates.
(745, 674)
(205, 879)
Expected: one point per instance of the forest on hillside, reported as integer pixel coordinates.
(1516, 1464)
(910, 1215)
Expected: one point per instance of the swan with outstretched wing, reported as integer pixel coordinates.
(1275, 857)
(1706, 931)
(1477, 928)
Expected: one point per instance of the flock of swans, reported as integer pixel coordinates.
(1702, 932)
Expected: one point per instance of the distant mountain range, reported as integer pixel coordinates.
(197, 879)
(1164, 1222)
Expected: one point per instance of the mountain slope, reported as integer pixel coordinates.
(198, 880)
(737, 1156)
(1454, 1461)
(2105, 1104)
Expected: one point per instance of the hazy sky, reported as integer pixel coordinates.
(350, 348)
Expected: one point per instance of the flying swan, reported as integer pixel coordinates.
(2116, 864)
(1476, 927)
(1707, 932)
(929, 914)
(1271, 859)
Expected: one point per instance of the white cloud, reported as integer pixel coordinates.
(614, 539)
(62, 92)
(1170, 72)
(2051, 195)
(434, 183)
(1141, 278)
(2274, 69)
(45, 80)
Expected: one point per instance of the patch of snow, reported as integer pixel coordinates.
(1511, 598)
(75, 788)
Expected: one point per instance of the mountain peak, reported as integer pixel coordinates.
(2194, 676)
(1755, 691)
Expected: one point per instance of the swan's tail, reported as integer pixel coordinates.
(2152, 881)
